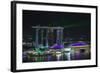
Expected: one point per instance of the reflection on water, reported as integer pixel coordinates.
(55, 56)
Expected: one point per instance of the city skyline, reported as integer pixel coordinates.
(55, 36)
(75, 24)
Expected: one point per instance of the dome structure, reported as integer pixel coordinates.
(78, 44)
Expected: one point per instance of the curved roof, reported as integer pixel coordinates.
(80, 43)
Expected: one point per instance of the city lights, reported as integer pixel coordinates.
(55, 51)
(55, 36)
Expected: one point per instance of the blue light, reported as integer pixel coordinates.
(79, 44)
(57, 46)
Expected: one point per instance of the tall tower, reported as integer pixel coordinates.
(36, 38)
(59, 39)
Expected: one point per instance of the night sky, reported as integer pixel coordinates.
(75, 24)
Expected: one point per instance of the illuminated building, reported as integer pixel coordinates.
(80, 50)
(59, 32)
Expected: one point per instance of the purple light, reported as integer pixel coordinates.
(57, 46)
(79, 44)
